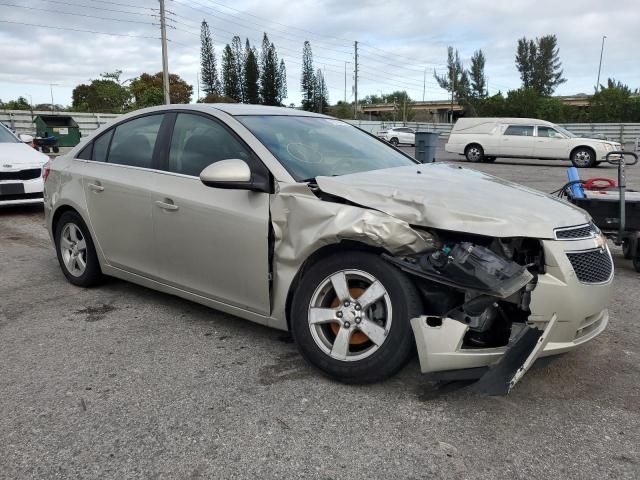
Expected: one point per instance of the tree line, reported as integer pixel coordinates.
(245, 76)
(248, 75)
(540, 68)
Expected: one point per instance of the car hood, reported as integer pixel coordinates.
(451, 197)
(19, 155)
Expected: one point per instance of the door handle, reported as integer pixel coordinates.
(171, 207)
(96, 187)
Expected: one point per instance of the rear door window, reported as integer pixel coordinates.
(133, 141)
(100, 146)
(519, 130)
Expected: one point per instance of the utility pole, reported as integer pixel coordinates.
(345, 82)
(424, 84)
(600, 64)
(198, 85)
(51, 85)
(165, 61)
(355, 71)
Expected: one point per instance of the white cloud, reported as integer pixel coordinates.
(413, 35)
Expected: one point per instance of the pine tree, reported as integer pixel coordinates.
(456, 79)
(478, 78)
(230, 81)
(538, 62)
(269, 73)
(209, 73)
(525, 55)
(321, 95)
(308, 80)
(282, 82)
(239, 57)
(251, 75)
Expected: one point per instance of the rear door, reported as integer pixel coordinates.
(211, 241)
(550, 143)
(517, 141)
(116, 183)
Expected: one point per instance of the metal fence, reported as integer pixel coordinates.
(22, 122)
(620, 132)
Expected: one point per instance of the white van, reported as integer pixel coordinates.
(485, 139)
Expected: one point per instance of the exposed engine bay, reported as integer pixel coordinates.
(483, 283)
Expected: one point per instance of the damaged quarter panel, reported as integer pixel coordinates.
(453, 198)
(303, 223)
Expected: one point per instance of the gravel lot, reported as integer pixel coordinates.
(123, 382)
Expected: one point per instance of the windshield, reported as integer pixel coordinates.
(309, 147)
(6, 136)
(564, 131)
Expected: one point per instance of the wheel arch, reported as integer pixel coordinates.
(318, 255)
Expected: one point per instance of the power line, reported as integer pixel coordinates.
(286, 35)
(57, 2)
(121, 4)
(74, 14)
(344, 42)
(78, 30)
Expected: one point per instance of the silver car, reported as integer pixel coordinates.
(305, 223)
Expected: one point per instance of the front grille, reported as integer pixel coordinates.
(21, 196)
(592, 266)
(29, 174)
(576, 233)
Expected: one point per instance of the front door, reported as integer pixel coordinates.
(210, 241)
(116, 184)
(550, 143)
(517, 141)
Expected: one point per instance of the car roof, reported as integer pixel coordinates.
(244, 109)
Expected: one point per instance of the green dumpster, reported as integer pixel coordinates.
(63, 127)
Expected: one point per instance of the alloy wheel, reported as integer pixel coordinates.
(73, 248)
(350, 315)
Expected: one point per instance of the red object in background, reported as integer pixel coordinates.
(599, 184)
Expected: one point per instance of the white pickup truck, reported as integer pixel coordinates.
(485, 139)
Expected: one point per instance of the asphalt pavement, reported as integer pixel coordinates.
(123, 382)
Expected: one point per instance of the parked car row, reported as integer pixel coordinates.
(305, 223)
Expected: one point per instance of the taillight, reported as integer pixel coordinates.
(45, 170)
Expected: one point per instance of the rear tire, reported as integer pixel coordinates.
(474, 153)
(76, 252)
(583, 157)
(328, 324)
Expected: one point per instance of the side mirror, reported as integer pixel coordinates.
(24, 138)
(233, 174)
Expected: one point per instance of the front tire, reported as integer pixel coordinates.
(76, 252)
(474, 153)
(394, 141)
(350, 317)
(583, 157)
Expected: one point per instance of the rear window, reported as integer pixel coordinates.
(519, 130)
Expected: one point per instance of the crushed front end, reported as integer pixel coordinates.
(503, 302)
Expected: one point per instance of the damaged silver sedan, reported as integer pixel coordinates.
(305, 223)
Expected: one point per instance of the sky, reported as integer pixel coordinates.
(398, 41)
